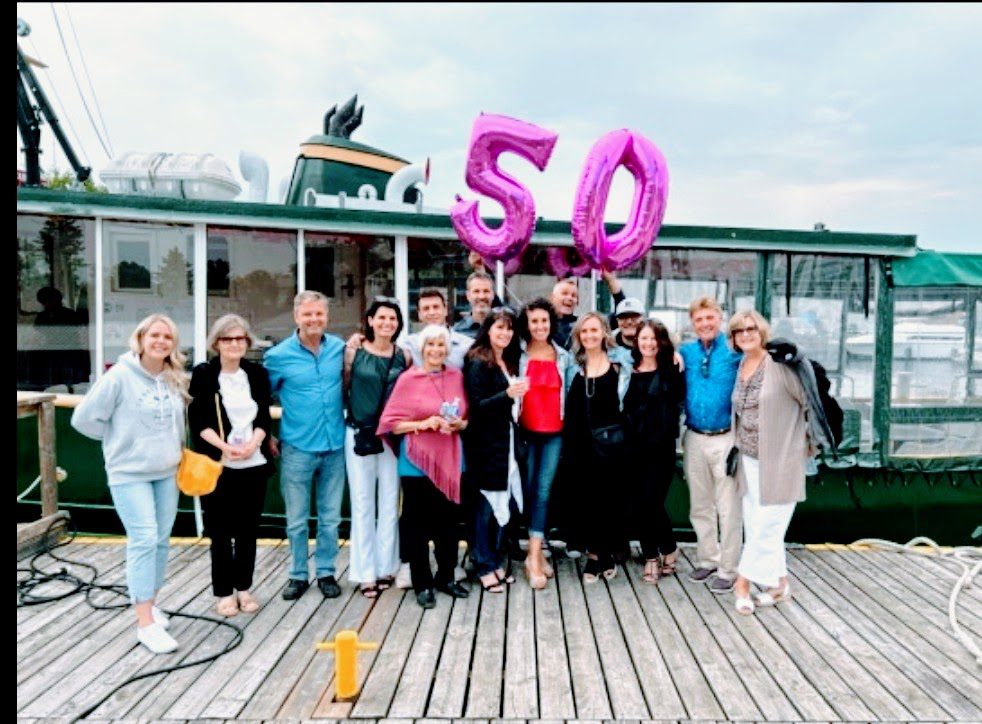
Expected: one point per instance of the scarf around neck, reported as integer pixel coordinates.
(417, 395)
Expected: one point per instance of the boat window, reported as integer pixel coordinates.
(977, 342)
(252, 273)
(442, 264)
(825, 314)
(350, 269)
(930, 441)
(147, 270)
(55, 278)
(930, 347)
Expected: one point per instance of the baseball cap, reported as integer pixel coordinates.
(630, 305)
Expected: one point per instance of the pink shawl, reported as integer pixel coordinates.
(416, 396)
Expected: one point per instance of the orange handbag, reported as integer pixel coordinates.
(198, 474)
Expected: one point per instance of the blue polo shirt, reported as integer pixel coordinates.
(309, 389)
(707, 398)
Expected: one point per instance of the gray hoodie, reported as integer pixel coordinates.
(138, 418)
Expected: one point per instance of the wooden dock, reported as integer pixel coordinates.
(865, 639)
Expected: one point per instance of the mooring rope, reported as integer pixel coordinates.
(967, 558)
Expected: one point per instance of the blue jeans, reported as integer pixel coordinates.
(489, 552)
(542, 463)
(299, 472)
(147, 511)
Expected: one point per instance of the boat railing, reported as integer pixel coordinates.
(52, 523)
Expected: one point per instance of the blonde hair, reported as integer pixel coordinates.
(704, 303)
(223, 324)
(309, 296)
(738, 319)
(606, 342)
(174, 374)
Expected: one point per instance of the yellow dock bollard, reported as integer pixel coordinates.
(345, 647)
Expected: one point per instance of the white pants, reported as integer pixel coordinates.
(764, 526)
(374, 538)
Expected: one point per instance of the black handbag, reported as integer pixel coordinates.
(731, 461)
(608, 441)
(366, 441)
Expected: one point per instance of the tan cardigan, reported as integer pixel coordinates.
(783, 446)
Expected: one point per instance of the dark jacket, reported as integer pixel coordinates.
(657, 421)
(201, 410)
(487, 434)
(787, 353)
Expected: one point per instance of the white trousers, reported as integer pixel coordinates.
(374, 536)
(764, 526)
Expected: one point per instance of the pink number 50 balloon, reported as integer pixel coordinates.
(493, 135)
(647, 164)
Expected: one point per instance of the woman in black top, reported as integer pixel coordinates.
(653, 406)
(493, 394)
(233, 510)
(594, 473)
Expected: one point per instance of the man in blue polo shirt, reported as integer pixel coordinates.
(305, 372)
(714, 506)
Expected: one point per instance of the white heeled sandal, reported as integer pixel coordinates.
(744, 605)
(772, 598)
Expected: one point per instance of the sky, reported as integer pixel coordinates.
(867, 118)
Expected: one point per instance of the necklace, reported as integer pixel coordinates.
(431, 376)
(590, 386)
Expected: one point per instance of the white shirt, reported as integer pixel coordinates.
(241, 410)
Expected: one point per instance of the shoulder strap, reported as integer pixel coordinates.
(218, 412)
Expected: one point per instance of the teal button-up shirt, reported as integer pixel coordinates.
(309, 390)
(709, 378)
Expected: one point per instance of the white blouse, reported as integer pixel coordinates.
(241, 410)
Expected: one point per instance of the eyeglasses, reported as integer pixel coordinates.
(504, 310)
(230, 340)
(745, 330)
(390, 300)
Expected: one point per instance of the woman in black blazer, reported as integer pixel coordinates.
(493, 394)
(239, 391)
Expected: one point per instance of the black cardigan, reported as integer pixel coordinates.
(201, 410)
(489, 422)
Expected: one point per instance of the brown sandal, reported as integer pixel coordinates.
(369, 591)
(669, 567)
(227, 606)
(651, 571)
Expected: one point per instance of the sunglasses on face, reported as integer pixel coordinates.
(745, 330)
(704, 366)
(503, 310)
(233, 340)
(390, 300)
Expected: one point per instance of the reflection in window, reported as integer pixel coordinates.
(441, 264)
(148, 271)
(350, 269)
(936, 440)
(55, 273)
(930, 346)
(253, 273)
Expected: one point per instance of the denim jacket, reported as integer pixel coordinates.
(565, 365)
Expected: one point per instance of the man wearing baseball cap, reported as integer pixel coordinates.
(629, 314)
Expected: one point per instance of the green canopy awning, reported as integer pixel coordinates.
(938, 269)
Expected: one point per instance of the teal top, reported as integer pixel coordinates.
(367, 385)
(408, 470)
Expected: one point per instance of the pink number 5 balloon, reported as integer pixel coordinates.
(491, 136)
(647, 164)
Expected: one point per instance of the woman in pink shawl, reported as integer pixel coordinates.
(428, 409)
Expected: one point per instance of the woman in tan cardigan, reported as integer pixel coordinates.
(769, 419)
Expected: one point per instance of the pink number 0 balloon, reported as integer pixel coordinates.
(491, 136)
(647, 164)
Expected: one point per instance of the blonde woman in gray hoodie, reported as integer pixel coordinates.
(137, 410)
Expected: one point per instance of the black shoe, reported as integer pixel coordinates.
(426, 598)
(294, 589)
(453, 589)
(329, 587)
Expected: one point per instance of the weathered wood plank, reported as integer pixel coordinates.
(374, 630)
(413, 691)
(728, 688)
(555, 682)
(589, 689)
(199, 641)
(520, 697)
(623, 687)
(453, 670)
(380, 685)
(959, 690)
(484, 695)
(755, 674)
(911, 685)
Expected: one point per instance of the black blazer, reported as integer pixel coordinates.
(658, 422)
(201, 410)
(489, 422)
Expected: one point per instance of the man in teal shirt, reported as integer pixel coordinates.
(305, 371)
(714, 506)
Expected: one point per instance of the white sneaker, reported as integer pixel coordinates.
(156, 639)
(404, 578)
(160, 617)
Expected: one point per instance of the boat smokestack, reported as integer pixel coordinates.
(255, 171)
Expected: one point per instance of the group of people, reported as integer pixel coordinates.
(505, 426)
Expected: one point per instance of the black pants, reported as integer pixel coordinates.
(428, 515)
(651, 522)
(231, 515)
